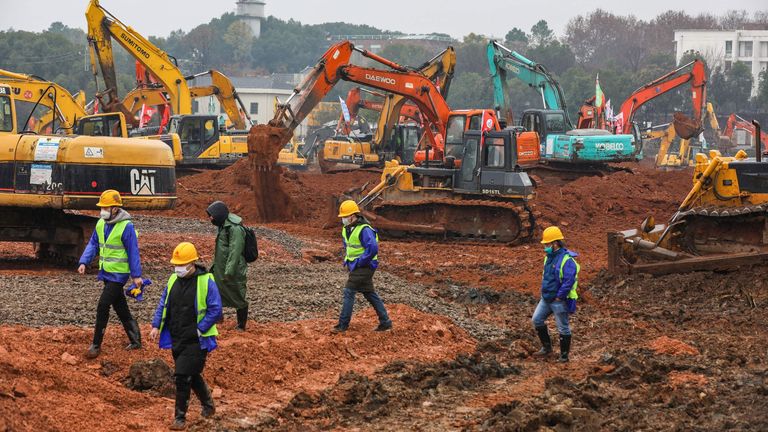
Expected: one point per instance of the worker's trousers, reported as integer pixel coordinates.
(558, 309)
(111, 296)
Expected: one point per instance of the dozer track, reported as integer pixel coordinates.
(718, 230)
(465, 220)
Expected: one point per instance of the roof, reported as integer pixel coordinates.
(260, 82)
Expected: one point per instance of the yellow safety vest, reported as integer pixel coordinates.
(113, 257)
(355, 249)
(201, 304)
(572, 294)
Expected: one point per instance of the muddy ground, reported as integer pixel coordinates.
(680, 352)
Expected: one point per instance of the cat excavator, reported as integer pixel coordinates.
(721, 224)
(202, 142)
(485, 199)
(44, 179)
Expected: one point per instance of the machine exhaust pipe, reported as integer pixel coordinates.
(758, 141)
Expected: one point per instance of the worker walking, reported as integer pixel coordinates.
(361, 260)
(116, 242)
(560, 280)
(186, 319)
(229, 265)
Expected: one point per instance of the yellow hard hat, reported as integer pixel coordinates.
(110, 198)
(348, 208)
(551, 234)
(184, 253)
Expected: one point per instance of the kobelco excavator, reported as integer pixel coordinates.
(43, 177)
(722, 222)
(485, 199)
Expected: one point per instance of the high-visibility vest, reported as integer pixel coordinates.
(572, 294)
(355, 249)
(201, 305)
(113, 257)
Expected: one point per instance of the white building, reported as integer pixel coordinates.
(252, 13)
(724, 47)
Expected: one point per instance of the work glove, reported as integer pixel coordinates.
(137, 293)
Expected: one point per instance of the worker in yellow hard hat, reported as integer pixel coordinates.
(361, 245)
(185, 320)
(560, 280)
(116, 242)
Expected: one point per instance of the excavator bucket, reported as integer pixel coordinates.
(264, 144)
(686, 127)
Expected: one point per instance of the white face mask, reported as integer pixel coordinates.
(105, 214)
(346, 220)
(181, 271)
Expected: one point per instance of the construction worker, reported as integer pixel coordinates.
(361, 259)
(186, 319)
(116, 242)
(229, 265)
(560, 279)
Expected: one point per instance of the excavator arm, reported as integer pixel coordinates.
(672, 80)
(503, 61)
(225, 92)
(102, 28)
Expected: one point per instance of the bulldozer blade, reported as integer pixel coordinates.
(686, 127)
(702, 263)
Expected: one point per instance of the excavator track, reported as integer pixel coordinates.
(717, 230)
(463, 220)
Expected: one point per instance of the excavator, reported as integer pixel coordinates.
(485, 199)
(201, 141)
(687, 148)
(721, 224)
(44, 179)
(738, 132)
(563, 148)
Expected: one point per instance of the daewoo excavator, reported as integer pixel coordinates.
(486, 199)
(722, 222)
(201, 141)
(42, 177)
(393, 139)
(562, 147)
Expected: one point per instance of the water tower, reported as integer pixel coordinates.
(251, 12)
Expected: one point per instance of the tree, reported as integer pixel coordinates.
(541, 34)
(556, 57)
(471, 90)
(406, 54)
(516, 39)
(739, 85)
(239, 38)
(762, 89)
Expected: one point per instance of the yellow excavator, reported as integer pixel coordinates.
(43, 178)
(721, 224)
(665, 160)
(200, 137)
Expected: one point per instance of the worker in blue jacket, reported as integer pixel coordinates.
(361, 249)
(185, 320)
(116, 242)
(560, 280)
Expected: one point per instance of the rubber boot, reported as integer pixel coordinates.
(134, 334)
(565, 348)
(546, 342)
(204, 394)
(183, 384)
(242, 318)
(95, 349)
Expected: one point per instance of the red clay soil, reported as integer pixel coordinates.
(667, 345)
(46, 384)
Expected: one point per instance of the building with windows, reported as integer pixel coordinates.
(724, 47)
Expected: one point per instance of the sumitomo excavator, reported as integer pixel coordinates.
(201, 141)
(480, 195)
(44, 178)
(563, 148)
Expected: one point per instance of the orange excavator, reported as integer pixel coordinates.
(684, 127)
(741, 134)
(486, 198)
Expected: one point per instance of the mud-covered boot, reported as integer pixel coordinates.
(134, 335)
(183, 387)
(95, 349)
(546, 342)
(242, 318)
(204, 394)
(565, 348)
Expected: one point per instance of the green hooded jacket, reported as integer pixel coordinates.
(229, 266)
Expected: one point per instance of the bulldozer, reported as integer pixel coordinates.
(720, 225)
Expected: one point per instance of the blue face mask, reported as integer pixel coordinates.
(548, 250)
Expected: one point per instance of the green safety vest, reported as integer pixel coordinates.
(355, 249)
(113, 257)
(572, 294)
(202, 302)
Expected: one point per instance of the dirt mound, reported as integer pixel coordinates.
(667, 345)
(153, 374)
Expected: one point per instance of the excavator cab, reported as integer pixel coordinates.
(490, 165)
(196, 132)
(110, 124)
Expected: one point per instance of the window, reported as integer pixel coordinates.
(763, 66)
(745, 49)
(494, 152)
(195, 107)
(748, 64)
(728, 65)
(6, 118)
(222, 110)
(763, 49)
(475, 122)
(728, 48)
(555, 123)
(254, 107)
(455, 130)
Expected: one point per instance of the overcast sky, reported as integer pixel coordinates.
(457, 18)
